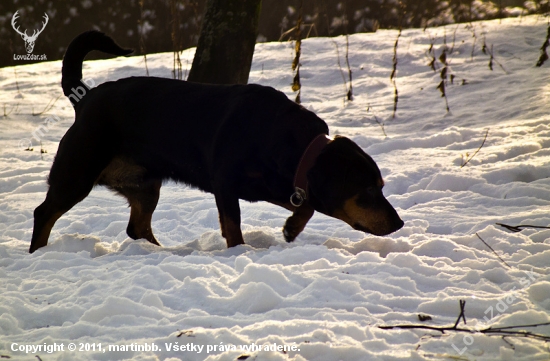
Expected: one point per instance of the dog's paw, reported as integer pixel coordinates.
(289, 237)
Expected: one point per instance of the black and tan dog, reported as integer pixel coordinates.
(237, 141)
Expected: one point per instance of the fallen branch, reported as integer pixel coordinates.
(441, 329)
(188, 333)
(491, 248)
(519, 227)
(477, 151)
(380, 123)
(506, 331)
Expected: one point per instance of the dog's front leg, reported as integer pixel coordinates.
(297, 221)
(230, 217)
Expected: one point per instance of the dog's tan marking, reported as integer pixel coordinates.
(45, 227)
(127, 178)
(231, 231)
(373, 219)
(254, 174)
(122, 172)
(143, 204)
(297, 222)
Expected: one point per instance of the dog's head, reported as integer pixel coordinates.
(346, 183)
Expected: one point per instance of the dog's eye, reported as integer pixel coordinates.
(366, 198)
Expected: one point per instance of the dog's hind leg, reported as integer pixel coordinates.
(59, 199)
(143, 201)
(79, 161)
(71, 179)
(45, 216)
(297, 221)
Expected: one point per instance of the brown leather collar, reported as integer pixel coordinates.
(307, 160)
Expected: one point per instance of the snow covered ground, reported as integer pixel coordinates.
(323, 296)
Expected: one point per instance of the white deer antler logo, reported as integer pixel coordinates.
(29, 40)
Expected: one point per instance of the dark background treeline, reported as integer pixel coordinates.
(167, 25)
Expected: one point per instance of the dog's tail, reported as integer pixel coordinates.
(71, 74)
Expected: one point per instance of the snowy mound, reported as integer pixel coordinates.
(323, 296)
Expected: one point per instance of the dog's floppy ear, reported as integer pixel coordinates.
(326, 179)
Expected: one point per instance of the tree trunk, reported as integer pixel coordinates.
(226, 43)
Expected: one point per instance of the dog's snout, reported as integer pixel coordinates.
(398, 224)
(394, 222)
(385, 228)
(380, 221)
